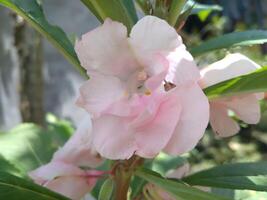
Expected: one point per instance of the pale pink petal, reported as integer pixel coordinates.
(99, 92)
(193, 119)
(221, 123)
(155, 126)
(52, 170)
(246, 107)
(78, 150)
(157, 72)
(112, 138)
(106, 50)
(231, 66)
(153, 35)
(74, 187)
(182, 67)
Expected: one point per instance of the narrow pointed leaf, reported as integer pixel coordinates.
(244, 38)
(175, 188)
(33, 13)
(250, 83)
(118, 10)
(14, 188)
(249, 176)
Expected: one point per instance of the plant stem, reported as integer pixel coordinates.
(123, 171)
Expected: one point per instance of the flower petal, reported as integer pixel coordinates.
(193, 120)
(182, 67)
(99, 92)
(112, 138)
(153, 35)
(221, 123)
(231, 66)
(52, 170)
(155, 126)
(106, 50)
(78, 150)
(246, 107)
(74, 187)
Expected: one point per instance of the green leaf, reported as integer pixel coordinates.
(163, 163)
(7, 166)
(250, 176)
(175, 188)
(198, 7)
(33, 13)
(249, 83)
(106, 190)
(245, 38)
(175, 10)
(27, 147)
(14, 188)
(118, 10)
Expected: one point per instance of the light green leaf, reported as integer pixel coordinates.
(250, 83)
(33, 13)
(14, 188)
(27, 147)
(245, 38)
(175, 188)
(106, 190)
(118, 10)
(198, 7)
(175, 10)
(250, 176)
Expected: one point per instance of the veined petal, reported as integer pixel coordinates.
(231, 66)
(222, 124)
(99, 92)
(193, 120)
(106, 50)
(153, 35)
(246, 107)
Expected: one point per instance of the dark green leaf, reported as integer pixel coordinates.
(175, 188)
(7, 166)
(245, 38)
(33, 13)
(118, 10)
(106, 190)
(250, 83)
(250, 176)
(14, 188)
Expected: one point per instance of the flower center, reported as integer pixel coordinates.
(136, 83)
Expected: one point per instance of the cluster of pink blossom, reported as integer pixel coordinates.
(145, 95)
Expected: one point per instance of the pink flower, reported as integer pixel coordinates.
(63, 174)
(132, 112)
(246, 106)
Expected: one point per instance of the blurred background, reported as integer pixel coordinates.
(38, 85)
